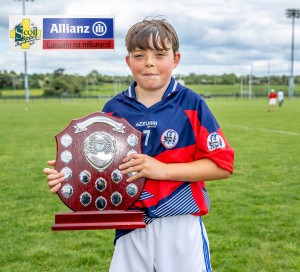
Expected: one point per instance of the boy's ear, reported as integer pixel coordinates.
(176, 59)
(127, 59)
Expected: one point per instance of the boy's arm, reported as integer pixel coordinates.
(200, 170)
(148, 167)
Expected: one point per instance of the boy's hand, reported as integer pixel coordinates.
(144, 165)
(54, 179)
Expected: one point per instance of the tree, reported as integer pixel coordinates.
(229, 79)
(60, 84)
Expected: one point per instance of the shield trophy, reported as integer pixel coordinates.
(89, 152)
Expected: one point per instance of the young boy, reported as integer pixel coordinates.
(280, 97)
(272, 100)
(183, 146)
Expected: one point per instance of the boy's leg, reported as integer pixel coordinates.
(134, 252)
(181, 245)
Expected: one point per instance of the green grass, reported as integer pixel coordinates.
(110, 89)
(21, 93)
(253, 224)
(260, 90)
(106, 89)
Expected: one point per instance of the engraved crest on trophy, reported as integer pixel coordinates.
(89, 152)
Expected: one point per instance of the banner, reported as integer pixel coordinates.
(36, 32)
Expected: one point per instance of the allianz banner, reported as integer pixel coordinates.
(35, 32)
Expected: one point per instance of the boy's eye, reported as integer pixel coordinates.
(160, 53)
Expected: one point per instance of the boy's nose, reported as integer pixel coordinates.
(149, 63)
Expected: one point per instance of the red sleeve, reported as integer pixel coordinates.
(214, 145)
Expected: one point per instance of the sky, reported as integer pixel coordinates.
(216, 36)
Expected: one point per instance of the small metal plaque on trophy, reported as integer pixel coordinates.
(89, 152)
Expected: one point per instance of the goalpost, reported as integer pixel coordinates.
(258, 71)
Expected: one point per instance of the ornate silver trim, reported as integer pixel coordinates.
(100, 203)
(101, 184)
(85, 199)
(131, 189)
(132, 140)
(116, 126)
(116, 176)
(66, 156)
(66, 140)
(85, 176)
(67, 190)
(116, 198)
(100, 150)
(68, 172)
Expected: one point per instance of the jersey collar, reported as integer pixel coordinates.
(173, 87)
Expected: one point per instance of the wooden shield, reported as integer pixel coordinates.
(89, 152)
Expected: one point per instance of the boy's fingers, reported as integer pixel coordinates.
(51, 163)
(54, 180)
(49, 171)
(55, 188)
(59, 176)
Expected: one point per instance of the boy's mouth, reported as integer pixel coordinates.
(149, 75)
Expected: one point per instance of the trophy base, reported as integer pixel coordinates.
(116, 219)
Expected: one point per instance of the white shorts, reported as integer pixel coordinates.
(169, 244)
(272, 101)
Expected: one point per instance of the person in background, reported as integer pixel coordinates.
(280, 97)
(272, 100)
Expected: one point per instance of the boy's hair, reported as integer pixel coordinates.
(140, 34)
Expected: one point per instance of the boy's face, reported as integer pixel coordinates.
(152, 68)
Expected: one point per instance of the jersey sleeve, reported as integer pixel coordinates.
(211, 142)
(107, 108)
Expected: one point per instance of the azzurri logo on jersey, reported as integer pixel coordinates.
(169, 138)
(215, 141)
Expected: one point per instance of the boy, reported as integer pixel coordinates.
(280, 97)
(183, 145)
(272, 100)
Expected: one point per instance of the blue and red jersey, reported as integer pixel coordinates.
(179, 128)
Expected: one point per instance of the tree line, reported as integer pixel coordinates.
(59, 83)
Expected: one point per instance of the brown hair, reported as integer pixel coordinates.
(161, 32)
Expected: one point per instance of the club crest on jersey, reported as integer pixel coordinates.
(215, 141)
(169, 138)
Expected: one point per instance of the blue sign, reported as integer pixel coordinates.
(78, 28)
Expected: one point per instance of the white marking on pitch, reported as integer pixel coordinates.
(266, 130)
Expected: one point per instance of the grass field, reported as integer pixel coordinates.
(205, 89)
(254, 223)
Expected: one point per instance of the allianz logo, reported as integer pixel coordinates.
(98, 28)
